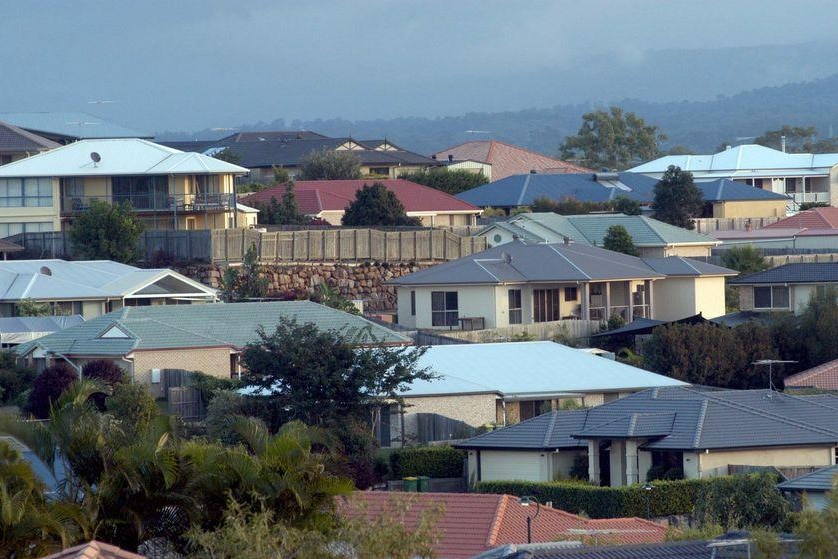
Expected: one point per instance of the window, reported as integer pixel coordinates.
(571, 294)
(380, 171)
(545, 305)
(145, 192)
(533, 408)
(18, 193)
(412, 303)
(771, 297)
(9, 229)
(444, 308)
(515, 314)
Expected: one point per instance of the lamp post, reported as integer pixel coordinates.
(647, 492)
(526, 502)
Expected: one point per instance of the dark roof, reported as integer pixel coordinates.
(726, 190)
(8, 246)
(64, 126)
(668, 550)
(680, 266)
(681, 418)
(270, 135)
(808, 272)
(741, 317)
(640, 326)
(18, 140)
(819, 480)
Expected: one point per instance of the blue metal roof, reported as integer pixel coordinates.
(71, 125)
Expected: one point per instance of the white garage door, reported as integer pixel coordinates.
(498, 465)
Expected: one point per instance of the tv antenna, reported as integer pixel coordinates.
(771, 363)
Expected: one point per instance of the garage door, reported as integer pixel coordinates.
(496, 465)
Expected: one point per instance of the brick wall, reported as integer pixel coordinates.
(212, 361)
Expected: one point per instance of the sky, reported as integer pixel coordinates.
(189, 64)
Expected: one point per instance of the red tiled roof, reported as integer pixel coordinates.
(94, 550)
(507, 159)
(314, 197)
(473, 522)
(823, 377)
(816, 218)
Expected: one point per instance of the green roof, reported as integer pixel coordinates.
(190, 326)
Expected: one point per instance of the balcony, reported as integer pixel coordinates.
(804, 197)
(183, 203)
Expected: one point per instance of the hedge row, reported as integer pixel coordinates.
(432, 461)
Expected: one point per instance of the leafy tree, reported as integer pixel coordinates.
(48, 387)
(227, 155)
(15, 379)
(246, 282)
(133, 406)
(281, 175)
(808, 338)
(106, 373)
(818, 530)
(107, 232)
(375, 205)
(743, 501)
(677, 199)
(618, 239)
(331, 297)
(30, 307)
(569, 206)
(627, 206)
(329, 164)
(612, 140)
(284, 212)
(452, 182)
(798, 138)
(745, 259)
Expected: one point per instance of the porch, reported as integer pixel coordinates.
(597, 301)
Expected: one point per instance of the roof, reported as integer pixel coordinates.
(124, 156)
(507, 159)
(667, 550)
(520, 262)
(541, 368)
(815, 218)
(17, 140)
(823, 377)
(71, 125)
(726, 190)
(8, 246)
(51, 280)
(803, 272)
(472, 523)
(681, 418)
(194, 326)
(314, 197)
(821, 480)
(94, 550)
(21, 329)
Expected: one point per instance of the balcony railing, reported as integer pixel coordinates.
(183, 203)
(803, 197)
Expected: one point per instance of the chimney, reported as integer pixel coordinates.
(727, 147)
(450, 157)
(783, 144)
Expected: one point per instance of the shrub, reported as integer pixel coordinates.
(210, 385)
(48, 386)
(15, 380)
(133, 405)
(432, 461)
(107, 372)
(225, 407)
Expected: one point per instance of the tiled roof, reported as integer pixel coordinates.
(698, 419)
(70, 125)
(726, 190)
(472, 523)
(820, 480)
(507, 159)
(94, 550)
(314, 197)
(823, 377)
(808, 272)
(17, 140)
(668, 550)
(816, 218)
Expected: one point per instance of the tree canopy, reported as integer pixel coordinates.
(612, 139)
(375, 205)
(677, 199)
(107, 232)
(452, 182)
(246, 282)
(799, 139)
(618, 239)
(283, 212)
(745, 259)
(328, 164)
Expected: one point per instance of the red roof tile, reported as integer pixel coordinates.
(823, 377)
(816, 218)
(316, 196)
(94, 550)
(507, 159)
(473, 522)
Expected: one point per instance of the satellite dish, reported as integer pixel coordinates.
(95, 157)
(45, 271)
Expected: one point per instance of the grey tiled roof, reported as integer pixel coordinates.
(810, 272)
(680, 266)
(71, 125)
(17, 140)
(700, 418)
(819, 480)
(668, 550)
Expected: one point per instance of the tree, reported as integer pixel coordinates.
(105, 372)
(227, 155)
(281, 175)
(15, 379)
(284, 212)
(818, 530)
(677, 199)
(452, 182)
(618, 239)
(374, 206)
(30, 307)
(133, 406)
(612, 140)
(627, 206)
(798, 139)
(745, 259)
(48, 387)
(244, 283)
(808, 338)
(107, 232)
(329, 164)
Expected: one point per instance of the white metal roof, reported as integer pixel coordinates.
(527, 368)
(121, 156)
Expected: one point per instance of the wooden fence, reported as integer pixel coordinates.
(186, 403)
(710, 224)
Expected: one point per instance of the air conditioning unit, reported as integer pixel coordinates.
(155, 376)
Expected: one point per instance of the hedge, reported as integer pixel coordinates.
(431, 461)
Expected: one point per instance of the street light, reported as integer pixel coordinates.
(647, 492)
(526, 502)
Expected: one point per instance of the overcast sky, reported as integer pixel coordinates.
(191, 64)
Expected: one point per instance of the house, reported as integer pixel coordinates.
(68, 127)
(696, 432)
(723, 197)
(651, 237)
(504, 383)
(811, 490)
(207, 338)
(167, 188)
(16, 143)
(328, 200)
(91, 288)
(785, 288)
(803, 177)
(503, 160)
(816, 228)
(526, 283)
(94, 550)
(262, 152)
(823, 377)
(472, 523)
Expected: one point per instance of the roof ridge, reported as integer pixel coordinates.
(497, 521)
(548, 433)
(699, 429)
(551, 247)
(632, 424)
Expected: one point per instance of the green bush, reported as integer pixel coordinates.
(431, 461)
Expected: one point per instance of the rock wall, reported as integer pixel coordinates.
(365, 280)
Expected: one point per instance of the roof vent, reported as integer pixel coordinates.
(506, 257)
(45, 271)
(600, 177)
(95, 157)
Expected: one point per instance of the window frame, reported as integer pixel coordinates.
(516, 313)
(772, 290)
(448, 314)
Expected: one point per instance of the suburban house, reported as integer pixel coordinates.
(811, 490)
(689, 431)
(16, 143)
(723, 197)
(262, 152)
(525, 283)
(803, 177)
(91, 288)
(328, 200)
(167, 188)
(823, 377)
(66, 128)
(472, 523)
(652, 238)
(816, 228)
(785, 288)
(500, 160)
(206, 338)
(475, 387)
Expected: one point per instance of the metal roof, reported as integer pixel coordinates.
(820, 480)
(21, 329)
(540, 368)
(17, 140)
(128, 156)
(802, 272)
(71, 125)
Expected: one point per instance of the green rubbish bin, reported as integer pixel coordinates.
(411, 484)
(424, 484)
